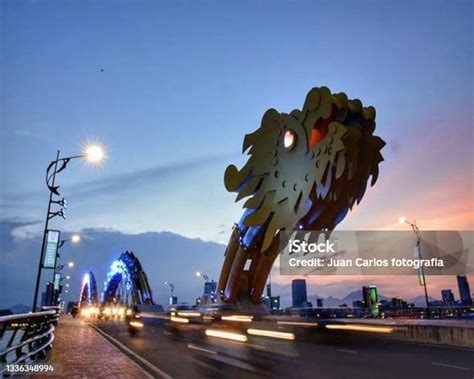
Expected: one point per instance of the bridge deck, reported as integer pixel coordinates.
(80, 351)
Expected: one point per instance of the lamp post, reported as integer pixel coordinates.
(203, 275)
(421, 272)
(93, 154)
(171, 287)
(75, 238)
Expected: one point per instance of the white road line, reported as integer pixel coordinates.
(148, 364)
(450, 366)
(347, 351)
(191, 346)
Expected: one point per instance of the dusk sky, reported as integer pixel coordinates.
(171, 88)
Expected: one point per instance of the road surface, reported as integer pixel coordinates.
(166, 349)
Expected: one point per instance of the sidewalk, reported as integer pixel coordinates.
(81, 352)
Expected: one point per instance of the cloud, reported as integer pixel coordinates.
(165, 256)
(122, 182)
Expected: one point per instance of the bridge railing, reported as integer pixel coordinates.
(27, 337)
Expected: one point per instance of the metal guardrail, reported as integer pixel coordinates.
(26, 337)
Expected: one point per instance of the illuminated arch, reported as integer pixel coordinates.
(88, 290)
(127, 282)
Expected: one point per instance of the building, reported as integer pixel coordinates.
(370, 299)
(271, 302)
(173, 300)
(210, 288)
(319, 303)
(47, 297)
(298, 292)
(209, 295)
(447, 297)
(464, 290)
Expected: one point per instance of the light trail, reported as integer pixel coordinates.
(226, 335)
(271, 333)
(181, 320)
(361, 328)
(237, 318)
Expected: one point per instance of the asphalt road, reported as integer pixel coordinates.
(184, 351)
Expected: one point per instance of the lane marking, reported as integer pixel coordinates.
(200, 363)
(191, 346)
(450, 366)
(347, 351)
(148, 364)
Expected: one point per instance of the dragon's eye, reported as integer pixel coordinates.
(289, 139)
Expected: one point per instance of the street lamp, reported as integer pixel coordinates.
(421, 270)
(75, 238)
(93, 154)
(70, 264)
(203, 275)
(171, 287)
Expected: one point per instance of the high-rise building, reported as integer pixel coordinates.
(319, 303)
(464, 290)
(210, 288)
(447, 297)
(47, 297)
(298, 292)
(371, 301)
(173, 300)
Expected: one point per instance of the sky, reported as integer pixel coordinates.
(171, 88)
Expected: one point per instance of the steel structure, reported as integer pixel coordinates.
(25, 338)
(305, 171)
(89, 292)
(127, 282)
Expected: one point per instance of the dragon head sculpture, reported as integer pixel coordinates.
(305, 169)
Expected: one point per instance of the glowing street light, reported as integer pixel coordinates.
(203, 275)
(76, 238)
(68, 277)
(171, 287)
(93, 154)
(70, 264)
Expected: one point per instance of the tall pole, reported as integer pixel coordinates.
(422, 269)
(38, 275)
